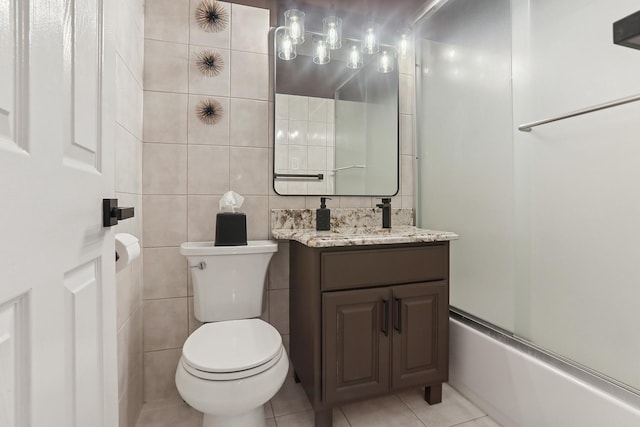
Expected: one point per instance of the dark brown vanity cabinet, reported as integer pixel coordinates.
(368, 320)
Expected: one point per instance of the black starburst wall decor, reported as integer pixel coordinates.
(209, 111)
(209, 63)
(211, 16)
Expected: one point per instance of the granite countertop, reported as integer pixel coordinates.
(362, 236)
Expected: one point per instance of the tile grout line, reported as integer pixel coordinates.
(472, 419)
(409, 408)
(344, 415)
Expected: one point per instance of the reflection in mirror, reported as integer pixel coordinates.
(336, 125)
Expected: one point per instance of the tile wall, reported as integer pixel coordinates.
(128, 185)
(304, 137)
(188, 165)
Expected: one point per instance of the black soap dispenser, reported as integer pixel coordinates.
(323, 216)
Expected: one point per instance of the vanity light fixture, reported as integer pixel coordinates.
(293, 32)
(321, 51)
(286, 48)
(370, 43)
(294, 23)
(355, 58)
(332, 28)
(385, 62)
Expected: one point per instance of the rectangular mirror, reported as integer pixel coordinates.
(336, 127)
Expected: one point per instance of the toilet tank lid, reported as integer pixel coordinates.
(209, 248)
(232, 345)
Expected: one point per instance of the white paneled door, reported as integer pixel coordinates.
(57, 278)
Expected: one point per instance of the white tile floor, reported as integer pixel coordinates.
(290, 408)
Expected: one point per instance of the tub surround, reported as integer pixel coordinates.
(351, 227)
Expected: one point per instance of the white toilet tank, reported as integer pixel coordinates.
(228, 281)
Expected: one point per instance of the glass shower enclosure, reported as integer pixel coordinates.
(548, 220)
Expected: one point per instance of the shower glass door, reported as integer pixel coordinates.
(466, 152)
(548, 220)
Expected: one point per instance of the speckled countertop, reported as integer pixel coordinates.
(351, 227)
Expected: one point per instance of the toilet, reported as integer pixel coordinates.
(235, 362)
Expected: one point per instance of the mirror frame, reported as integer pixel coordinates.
(273, 56)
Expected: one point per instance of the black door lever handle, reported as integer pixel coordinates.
(112, 213)
(123, 213)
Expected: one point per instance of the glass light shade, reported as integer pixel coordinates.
(294, 23)
(332, 29)
(321, 52)
(286, 48)
(355, 60)
(370, 43)
(385, 62)
(403, 45)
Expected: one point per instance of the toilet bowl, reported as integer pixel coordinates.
(229, 369)
(231, 366)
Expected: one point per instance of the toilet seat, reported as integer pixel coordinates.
(232, 349)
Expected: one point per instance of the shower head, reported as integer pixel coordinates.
(626, 32)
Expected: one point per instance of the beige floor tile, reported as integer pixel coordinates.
(290, 399)
(479, 422)
(179, 415)
(292, 409)
(339, 419)
(453, 410)
(300, 419)
(306, 419)
(162, 403)
(381, 412)
(268, 410)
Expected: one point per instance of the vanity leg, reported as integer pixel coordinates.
(433, 394)
(324, 417)
(295, 377)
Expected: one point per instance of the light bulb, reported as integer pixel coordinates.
(294, 30)
(286, 48)
(403, 46)
(332, 27)
(294, 23)
(385, 62)
(332, 35)
(370, 39)
(321, 55)
(355, 58)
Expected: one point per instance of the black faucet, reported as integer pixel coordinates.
(386, 212)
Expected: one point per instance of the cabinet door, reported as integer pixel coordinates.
(356, 334)
(420, 334)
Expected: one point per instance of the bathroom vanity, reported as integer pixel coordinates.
(369, 313)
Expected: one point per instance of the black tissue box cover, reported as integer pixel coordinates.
(231, 229)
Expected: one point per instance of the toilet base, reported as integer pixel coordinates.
(253, 418)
